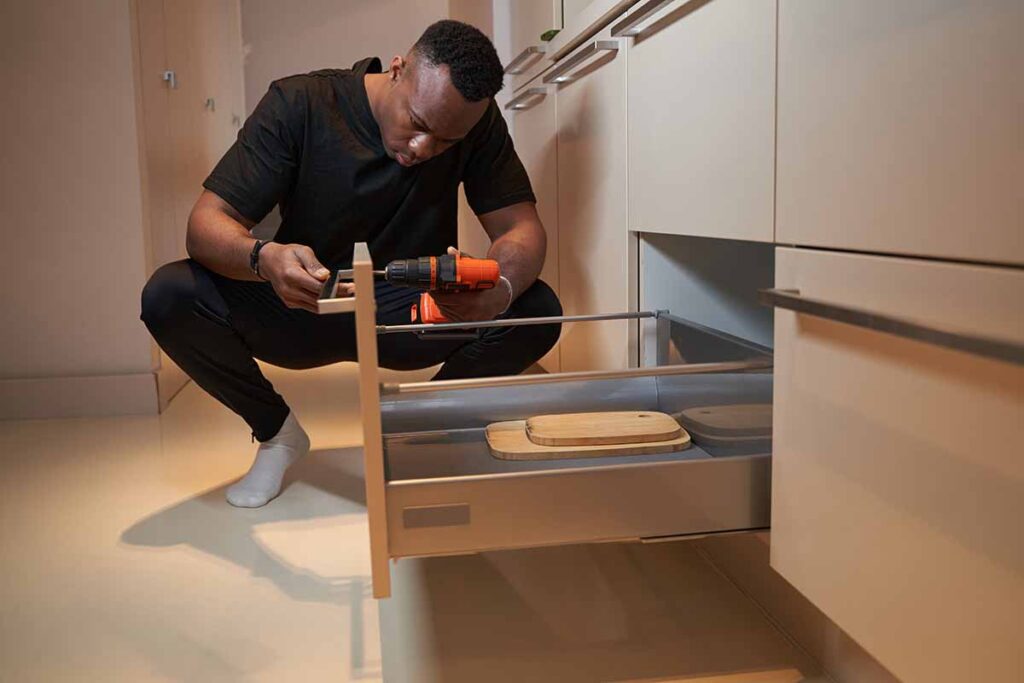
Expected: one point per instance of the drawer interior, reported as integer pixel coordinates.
(456, 445)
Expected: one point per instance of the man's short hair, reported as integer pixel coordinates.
(472, 61)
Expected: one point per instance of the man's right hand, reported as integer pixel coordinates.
(295, 273)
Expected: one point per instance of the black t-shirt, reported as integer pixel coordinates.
(313, 147)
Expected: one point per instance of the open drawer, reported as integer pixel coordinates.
(433, 487)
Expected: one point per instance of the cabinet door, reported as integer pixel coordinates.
(593, 250)
(900, 127)
(897, 476)
(535, 126)
(702, 118)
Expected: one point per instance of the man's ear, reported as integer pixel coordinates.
(395, 69)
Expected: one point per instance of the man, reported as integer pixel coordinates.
(349, 156)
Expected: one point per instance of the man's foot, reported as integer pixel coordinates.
(263, 481)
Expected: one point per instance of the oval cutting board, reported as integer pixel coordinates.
(602, 429)
(508, 441)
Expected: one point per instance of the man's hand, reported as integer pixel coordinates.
(485, 304)
(294, 272)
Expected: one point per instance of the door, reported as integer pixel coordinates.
(900, 127)
(191, 115)
(897, 475)
(702, 118)
(594, 245)
(535, 123)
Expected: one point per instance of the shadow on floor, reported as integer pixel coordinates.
(325, 484)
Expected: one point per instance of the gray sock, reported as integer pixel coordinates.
(262, 483)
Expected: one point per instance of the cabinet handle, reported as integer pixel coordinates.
(518, 65)
(560, 73)
(630, 26)
(987, 347)
(529, 98)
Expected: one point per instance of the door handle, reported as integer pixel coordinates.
(631, 25)
(171, 78)
(518, 65)
(528, 99)
(978, 345)
(561, 73)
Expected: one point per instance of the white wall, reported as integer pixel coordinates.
(285, 38)
(73, 223)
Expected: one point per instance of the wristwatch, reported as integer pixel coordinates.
(254, 259)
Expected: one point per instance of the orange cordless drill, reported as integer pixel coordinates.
(445, 273)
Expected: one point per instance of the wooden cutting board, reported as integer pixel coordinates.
(602, 429)
(508, 441)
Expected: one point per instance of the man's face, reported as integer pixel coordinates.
(422, 113)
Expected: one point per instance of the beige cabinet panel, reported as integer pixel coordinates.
(702, 119)
(528, 20)
(897, 476)
(901, 127)
(594, 248)
(535, 128)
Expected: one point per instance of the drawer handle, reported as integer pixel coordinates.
(631, 25)
(560, 74)
(987, 347)
(519, 65)
(530, 98)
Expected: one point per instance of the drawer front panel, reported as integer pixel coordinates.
(702, 495)
(898, 481)
(900, 127)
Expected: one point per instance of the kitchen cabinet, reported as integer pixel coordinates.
(896, 472)
(701, 110)
(533, 118)
(594, 249)
(528, 20)
(900, 127)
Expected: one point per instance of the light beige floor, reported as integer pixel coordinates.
(120, 561)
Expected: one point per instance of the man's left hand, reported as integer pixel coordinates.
(485, 304)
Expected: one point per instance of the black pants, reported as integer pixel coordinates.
(214, 327)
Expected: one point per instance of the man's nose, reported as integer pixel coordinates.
(423, 145)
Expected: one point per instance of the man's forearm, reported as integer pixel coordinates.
(520, 254)
(219, 240)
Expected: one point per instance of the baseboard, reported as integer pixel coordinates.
(744, 559)
(99, 396)
(170, 379)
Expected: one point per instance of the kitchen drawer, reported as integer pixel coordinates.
(433, 488)
(898, 481)
(701, 117)
(900, 127)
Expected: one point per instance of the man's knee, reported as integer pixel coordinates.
(169, 295)
(540, 301)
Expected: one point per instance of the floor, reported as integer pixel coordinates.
(122, 562)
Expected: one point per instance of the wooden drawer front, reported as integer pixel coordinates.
(898, 481)
(701, 109)
(900, 127)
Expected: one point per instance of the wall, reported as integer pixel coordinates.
(285, 38)
(73, 220)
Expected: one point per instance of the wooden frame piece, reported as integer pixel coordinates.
(369, 405)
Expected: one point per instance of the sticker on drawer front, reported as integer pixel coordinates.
(435, 515)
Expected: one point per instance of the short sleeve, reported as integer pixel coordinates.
(260, 167)
(494, 176)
